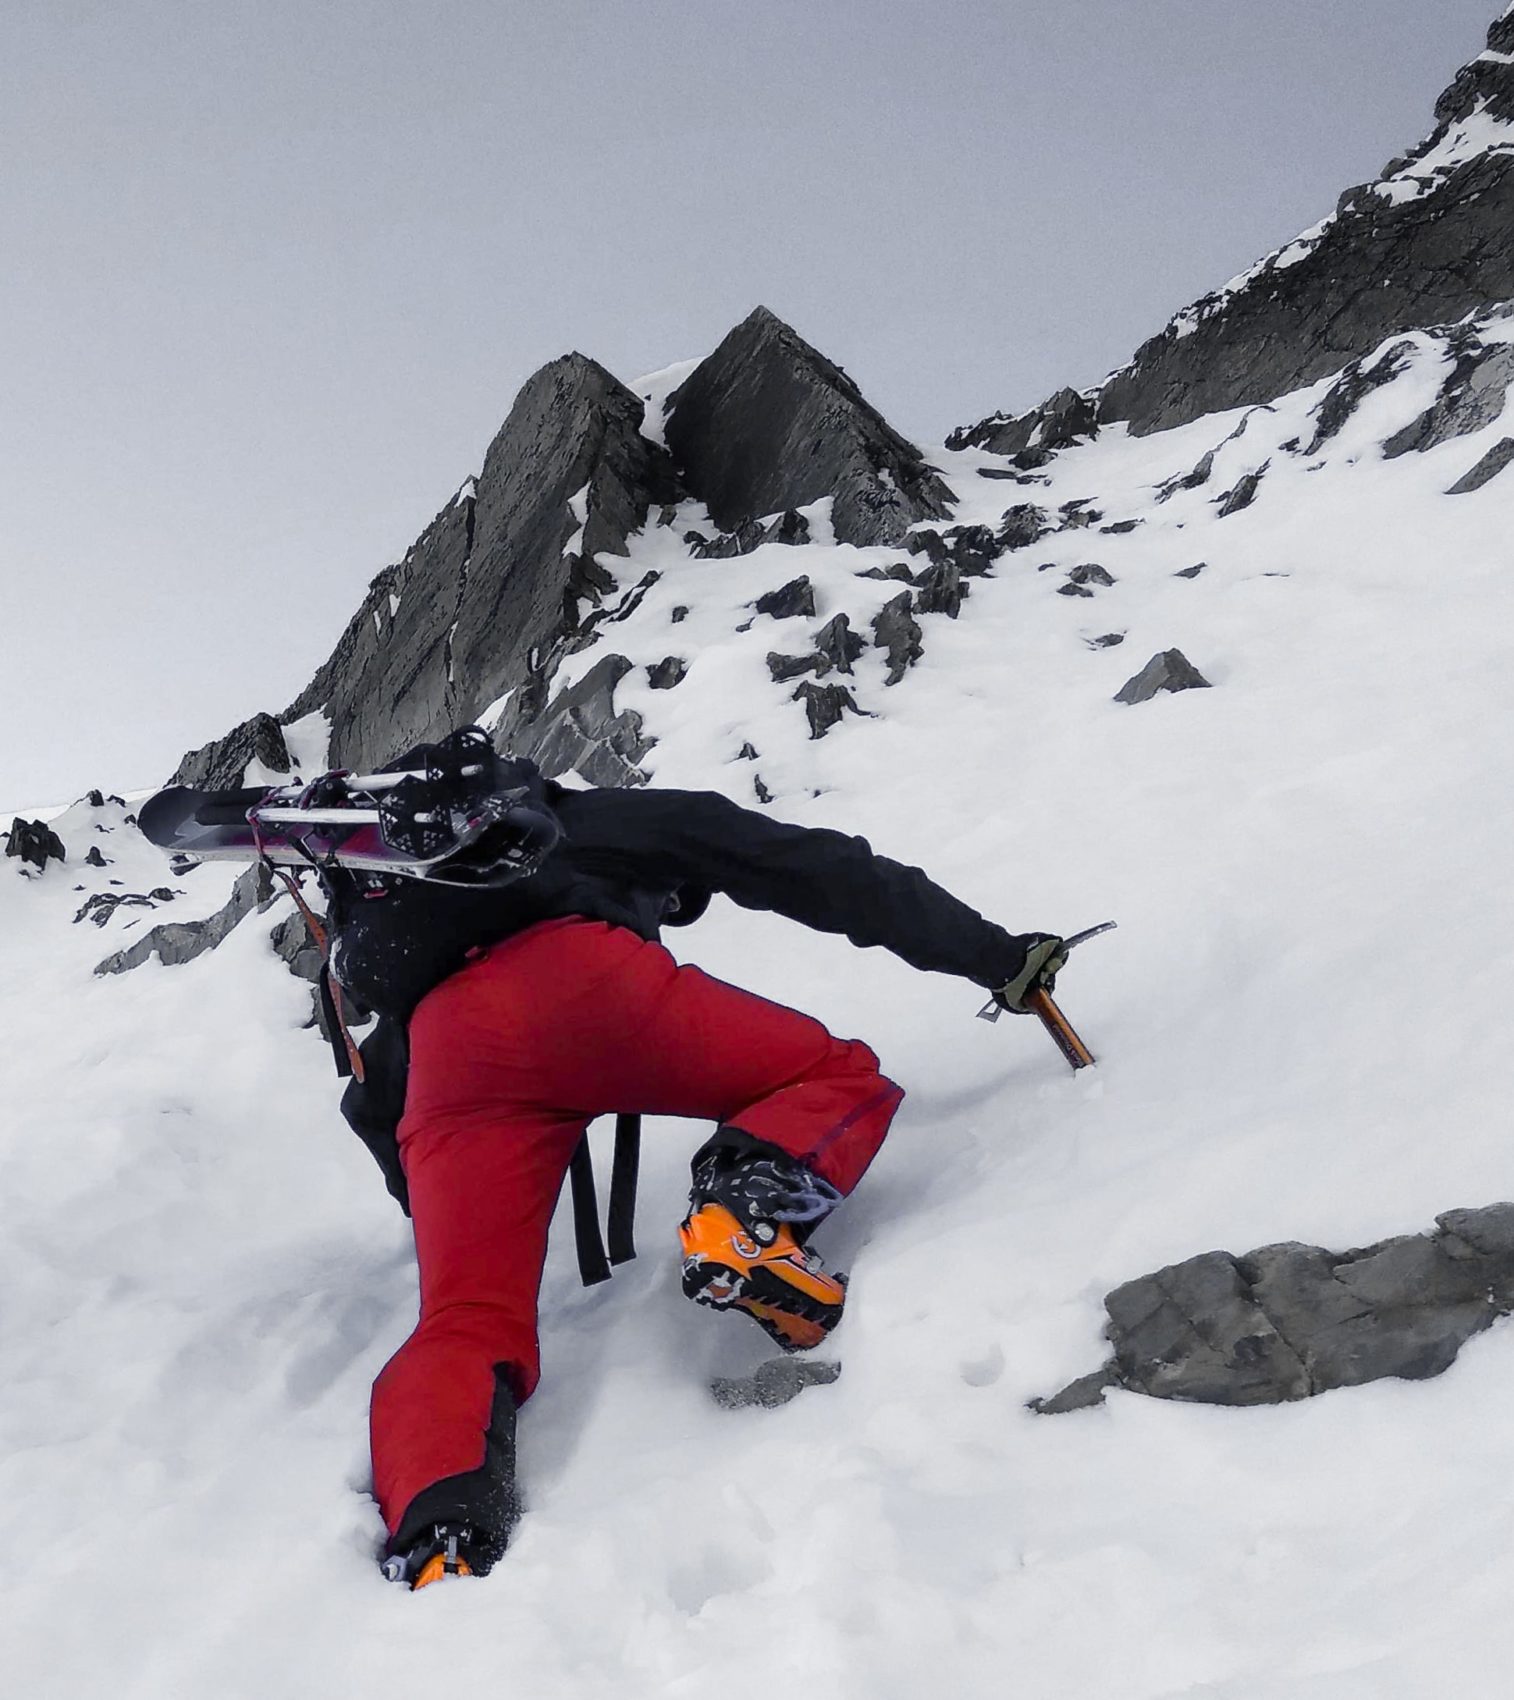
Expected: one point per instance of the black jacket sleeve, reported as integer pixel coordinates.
(828, 880)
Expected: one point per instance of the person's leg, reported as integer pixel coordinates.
(484, 1178)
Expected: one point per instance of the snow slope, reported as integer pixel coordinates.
(1300, 1026)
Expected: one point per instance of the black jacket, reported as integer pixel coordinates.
(646, 858)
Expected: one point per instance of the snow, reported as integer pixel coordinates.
(656, 391)
(1479, 133)
(1299, 1026)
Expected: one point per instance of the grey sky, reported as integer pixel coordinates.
(274, 269)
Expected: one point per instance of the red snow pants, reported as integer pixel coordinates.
(510, 1059)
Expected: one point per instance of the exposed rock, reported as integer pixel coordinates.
(894, 570)
(581, 730)
(838, 645)
(789, 528)
(35, 842)
(668, 672)
(1359, 379)
(679, 615)
(1427, 244)
(760, 790)
(1120, 527)
(177, 942)
(104, 904)
(1489, 467)
(1062, 419)
(1287, 1321)
(96, 857)
(1078, 514)
(1081, 581)
(767, 423)
(773, 1383)
(940, 589)
(1168, 670)
(928, 542)
(825, 705)
(747, 752)
(898, 634)
(1241, 494)
(492, 591)
(782, 668)
(974, 549)
(795, 598)
(1472, 396)
(1107, 641)
(1022, 525)
(1190, 480)
(292, 942)
(220, 765)
(1191, 572)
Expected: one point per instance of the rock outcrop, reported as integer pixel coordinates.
(1428, 242)
(497, 580)
(35, 842)
(1287, 1321)
(220, 765)
(767, 424)
(176, 942)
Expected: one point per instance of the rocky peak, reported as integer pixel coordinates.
(767, 424)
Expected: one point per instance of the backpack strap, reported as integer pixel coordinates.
(593, 1265)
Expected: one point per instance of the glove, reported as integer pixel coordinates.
(1045, 957)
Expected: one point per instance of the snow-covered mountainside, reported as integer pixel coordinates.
(1299, 1030)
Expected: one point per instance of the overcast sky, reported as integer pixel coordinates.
(274, 269)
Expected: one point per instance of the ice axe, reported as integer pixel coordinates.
(1039, 1003)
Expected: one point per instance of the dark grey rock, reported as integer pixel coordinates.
(789, 601)
(679, 615)
(293, 944)
(1078, 515)
(940, 590)
(747, 752)
(1063, 419)
(1241, 494)
(1472, 396)
(1191, 572)
(789, 528)
(1290, 1320)
(96, 857)
(825, 705)
(1120, 526)
(1022, 525)
(490, 593)
(1168, 670)
(974, 549)
(1194, 1331)
(894, 570)
(782, 668)
(838, 646)
(1083, 580)
(35, 842)
(773, 1383)
(1190, 480)
(582, 731)
(1383, 266)
(760, 790)
(928, 542)
(1359, 379)
(176, 942)
(999, 434)
(898, 634)
(1107, 641)
(1080, 1395)
(767, 423)
(1489, 467)
(668, 672)
(219, 765)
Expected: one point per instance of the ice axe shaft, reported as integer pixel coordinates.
(1040, 1004)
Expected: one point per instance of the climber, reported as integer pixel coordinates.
(533, 1007)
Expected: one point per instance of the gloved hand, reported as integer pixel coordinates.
(1045, 957)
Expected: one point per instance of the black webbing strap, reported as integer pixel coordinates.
(623, 1188)
(593, 1265)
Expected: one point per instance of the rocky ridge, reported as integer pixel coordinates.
(1427, 242)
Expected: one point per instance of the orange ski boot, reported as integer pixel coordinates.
(741, 1250)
